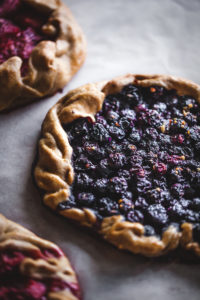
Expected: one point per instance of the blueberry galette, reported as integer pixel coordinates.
(41, 47)
(32, 268)
(123, 157)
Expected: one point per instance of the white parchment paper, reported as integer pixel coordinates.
(137, 36)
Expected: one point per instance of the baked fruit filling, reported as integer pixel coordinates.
(139, 159)
(13, 285)
(20, 31)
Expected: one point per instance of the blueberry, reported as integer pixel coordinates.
(154, 195)
(177, 190)
(126, 124)
(160, 182)
(127, 195)
(107, 207)
(187, 101)
(192, 217)
(138, 172)
(195, 204)
(125, 205)
(133, 94)
(116, 132)
(86, 199)
(149, 230)
(111, 103)
(141, 203)
(178, 126)
(135, 216)
(94, 150)
(80, 127)
(83, 180)
(160, 107)
(112, 116)
(153, 93)
(172, 101)
(151, 133)
(135, 159)
(104, 167)
(117, 160)
(69, 203)
(194, 133)
(153, 146)
(153, 119)
(197, 148)
(101, 120)
(84, 164)
(176, 175)
(190, 119)
(143, 185)
(134, 137)
(189, 192)
(160, 168)
(128, 114)
(99, 133)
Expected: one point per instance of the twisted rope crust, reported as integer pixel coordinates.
(51, 63)
(13, 236)
(54, 172)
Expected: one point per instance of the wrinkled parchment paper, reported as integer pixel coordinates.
(138, 36)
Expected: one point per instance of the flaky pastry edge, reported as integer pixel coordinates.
(51, 63)
(15, 237)
(54, 173)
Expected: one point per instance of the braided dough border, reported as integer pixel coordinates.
(54, 172)
(14, 236)
(51, 63)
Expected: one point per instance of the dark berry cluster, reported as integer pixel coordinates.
(139, 159)
(19, 36)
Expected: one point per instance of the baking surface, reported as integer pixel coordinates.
(146, 36)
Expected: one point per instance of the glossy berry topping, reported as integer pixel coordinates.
(140, 159)
(20, 31)
(13, 285)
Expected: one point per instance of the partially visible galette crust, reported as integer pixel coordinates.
(52, 62)
(15, 238)
(54, 173)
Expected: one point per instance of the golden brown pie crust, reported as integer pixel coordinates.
(51, 63)
(14, 236)
(54, 172)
